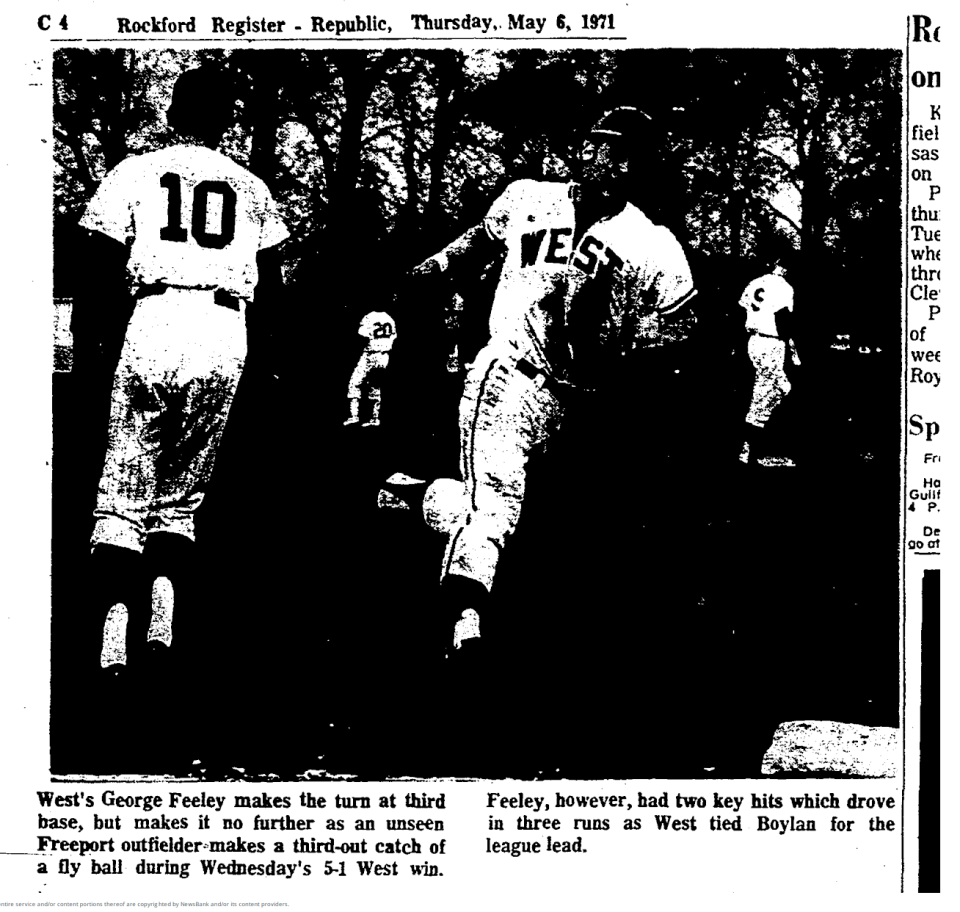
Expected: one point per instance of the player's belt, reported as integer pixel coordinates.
(220, 297)
(765, 335)
(541, 378)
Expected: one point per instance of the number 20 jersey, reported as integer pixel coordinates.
(379, 328)
(196, 219)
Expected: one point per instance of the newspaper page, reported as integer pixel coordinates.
(487, 455)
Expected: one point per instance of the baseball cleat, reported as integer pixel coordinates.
(113, 655)
(467, 628)
(350, 421)
(399, 478)
(373, 422)
(161, 618)
(388, 501)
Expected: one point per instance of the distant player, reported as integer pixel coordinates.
(587, 276)
(768, 301)
(381, 332)
(190, 225)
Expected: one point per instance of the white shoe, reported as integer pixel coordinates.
(373, 422)
(114, 650)
(350, 421)
(161, 619)
(467, 628)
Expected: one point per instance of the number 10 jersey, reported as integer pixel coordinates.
(193, 218)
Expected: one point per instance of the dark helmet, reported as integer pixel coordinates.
(625, 122)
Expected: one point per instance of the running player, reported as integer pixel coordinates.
(585, 271)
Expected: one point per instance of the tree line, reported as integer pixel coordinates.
(377, 158)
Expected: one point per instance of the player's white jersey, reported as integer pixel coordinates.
(380, 329)
(625, 264)
(196, 219)
(762, 299)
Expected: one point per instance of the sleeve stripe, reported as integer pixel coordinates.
(676, 305)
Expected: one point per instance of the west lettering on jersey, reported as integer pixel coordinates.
(589, 262)
(555, 248)
(530, 246)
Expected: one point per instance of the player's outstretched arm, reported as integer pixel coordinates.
(475, 245)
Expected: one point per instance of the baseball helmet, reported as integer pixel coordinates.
(626, 123)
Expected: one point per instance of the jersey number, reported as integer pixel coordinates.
(382, 330)
(174, 230)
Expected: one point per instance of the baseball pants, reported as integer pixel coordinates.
(770, 385)
(172, 391)
(369, 363)
(503, 416)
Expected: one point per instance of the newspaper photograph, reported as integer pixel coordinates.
(484, 456)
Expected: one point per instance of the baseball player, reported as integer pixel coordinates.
(584, 269)
(767, 301)
(192, 223)
(380, 331)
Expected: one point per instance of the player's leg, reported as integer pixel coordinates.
(355, 388)
(124, 493)
(374, 382)
(189, 456)
(169, 561)
(203, 375)
(116, 587)
(171, 641)
(503, 416)
(770, 385)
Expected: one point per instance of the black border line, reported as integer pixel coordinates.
(295, 40)
(480, 39)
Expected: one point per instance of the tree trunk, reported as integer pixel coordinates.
(116, 108)
(450, 80)
(357, 85)
(265, 123)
